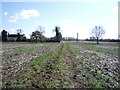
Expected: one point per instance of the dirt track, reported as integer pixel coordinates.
(75, 74)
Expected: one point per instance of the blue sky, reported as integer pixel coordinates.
(72, 17)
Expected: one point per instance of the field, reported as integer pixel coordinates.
(60, 65)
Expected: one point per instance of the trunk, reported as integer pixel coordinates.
(18, 37)
(97, 40)
(36, 39)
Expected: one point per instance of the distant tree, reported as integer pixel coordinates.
(58, 34)
(69, 39)
(38, 34)
(4, 35)
(97, 32)
(41, 29)
(19, 31)
(24, 38)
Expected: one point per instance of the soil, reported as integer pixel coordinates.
(13, 66)
(15, 63)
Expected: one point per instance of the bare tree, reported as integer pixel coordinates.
(41, 29)
(97, 32)
(19, 30)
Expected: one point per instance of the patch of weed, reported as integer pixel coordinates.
(93, 54)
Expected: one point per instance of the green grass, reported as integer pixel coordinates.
(51, 70)
(34, 74)
(21, 50)
(93, 54)
(60, 80)
(39, 60)
(10, 82)
(19, 42)
(19, 86)
(92, 46)
(100, 80)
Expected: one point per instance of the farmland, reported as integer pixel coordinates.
(60, 65)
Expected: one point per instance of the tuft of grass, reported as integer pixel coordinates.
(39, 60)
(10, 82)
(20, 86)
(96, 78)
(18, 51)
(93, 54)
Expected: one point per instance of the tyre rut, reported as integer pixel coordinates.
(47, 72)
(75, 75)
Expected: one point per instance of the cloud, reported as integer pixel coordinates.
(115, 9)
(29, 13)
(24, 14)
(108, 17)
(13, 18)
(5, 13)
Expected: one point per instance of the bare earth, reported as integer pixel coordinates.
(60, 65)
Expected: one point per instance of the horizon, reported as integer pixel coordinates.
(71, 17)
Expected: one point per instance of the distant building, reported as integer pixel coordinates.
(4, 35)
(15, 37)
(12, 37)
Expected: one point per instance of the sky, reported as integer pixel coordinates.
(71, 16)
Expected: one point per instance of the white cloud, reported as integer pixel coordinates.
(24, 14)
(5, 13)
(29, 13)
(115, 9)
(108, 17)
(13, 18)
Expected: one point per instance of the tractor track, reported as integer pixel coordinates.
(47, 71)
(75, 71)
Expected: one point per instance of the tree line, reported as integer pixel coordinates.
(36, 36)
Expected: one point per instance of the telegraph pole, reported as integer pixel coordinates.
(77, 37)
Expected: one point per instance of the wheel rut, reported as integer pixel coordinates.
(48, 74)
(75, 74)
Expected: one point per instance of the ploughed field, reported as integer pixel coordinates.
(60, 65)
